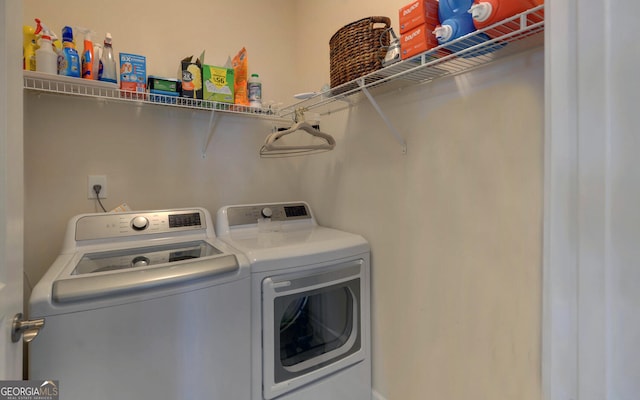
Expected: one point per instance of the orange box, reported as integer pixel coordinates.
(417, 41)
(417, 13)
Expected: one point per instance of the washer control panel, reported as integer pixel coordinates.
(250, 214)
(112, 225)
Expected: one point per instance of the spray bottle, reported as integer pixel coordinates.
(108, 62)
(87, 54)
(46, 57)
(57, 44)
(68, 61)
(97, 55)
(29, 47)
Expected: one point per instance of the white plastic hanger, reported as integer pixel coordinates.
(273, 149)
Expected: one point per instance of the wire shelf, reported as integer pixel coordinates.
(511, 36)
(56, 84)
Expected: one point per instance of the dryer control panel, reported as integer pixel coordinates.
(112, 225)
(250, 214)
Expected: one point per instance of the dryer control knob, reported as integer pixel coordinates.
(267, 212)
(139, 223)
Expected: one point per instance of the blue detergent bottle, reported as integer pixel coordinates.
(455, 22)
(68, 60)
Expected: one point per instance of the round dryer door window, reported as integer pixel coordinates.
(313, 325)
(312, 321)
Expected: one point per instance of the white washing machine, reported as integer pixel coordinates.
(310, 303)
(144, 305)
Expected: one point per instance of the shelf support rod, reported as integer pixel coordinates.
(212, 122)
(392, 129)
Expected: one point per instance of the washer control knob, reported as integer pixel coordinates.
(267, 212)
(140, 261)
(139, 223)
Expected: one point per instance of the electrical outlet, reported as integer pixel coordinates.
(97, 180)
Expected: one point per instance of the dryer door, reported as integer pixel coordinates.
(312, 325)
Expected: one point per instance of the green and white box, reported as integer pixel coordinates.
(218, 84)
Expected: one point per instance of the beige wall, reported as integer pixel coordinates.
(455, 224)
(455, 230)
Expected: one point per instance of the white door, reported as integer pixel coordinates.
(11, 185)
(592, 218)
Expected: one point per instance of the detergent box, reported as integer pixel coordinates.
(163, 90)
(159, 84)
(218, 84)
(191, 76)
(417, 13)
(133, 72)
(417, 41)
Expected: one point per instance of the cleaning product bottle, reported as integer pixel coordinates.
(455, 22)
(57, 45)
(539, 15)
(489, 12)
(108, 62)
(87, 54)
(97, 55)
(254, 89)
(46, 57)
(68, 60)
(29, 47)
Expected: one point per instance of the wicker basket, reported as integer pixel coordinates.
(358, 48)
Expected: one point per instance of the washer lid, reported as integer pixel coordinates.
(113, 284)
(143, 256)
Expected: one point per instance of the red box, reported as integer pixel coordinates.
(417, 13)
(417, 41)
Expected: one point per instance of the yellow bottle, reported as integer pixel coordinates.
(29, 48)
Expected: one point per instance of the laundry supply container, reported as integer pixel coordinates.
(358, 49)
(455, 23)
(489, 12)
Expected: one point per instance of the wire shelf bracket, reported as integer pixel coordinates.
(394, 132)
(213, 119)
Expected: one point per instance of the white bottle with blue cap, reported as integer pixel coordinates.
(254, 89)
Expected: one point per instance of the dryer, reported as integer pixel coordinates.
(310, 302)
(144, 305)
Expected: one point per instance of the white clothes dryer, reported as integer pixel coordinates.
(310, 302)
(144, 305)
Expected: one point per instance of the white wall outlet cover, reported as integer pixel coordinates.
(97, 180)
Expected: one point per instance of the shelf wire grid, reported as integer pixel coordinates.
(510, 36)
(54, 84)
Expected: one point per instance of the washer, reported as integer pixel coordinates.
(310, 302)
(144, 305)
